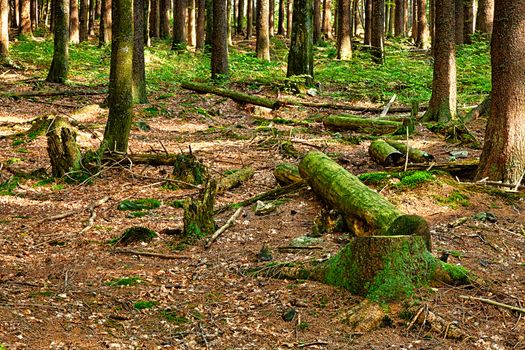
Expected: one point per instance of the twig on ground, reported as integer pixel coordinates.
(156, 255)
(317, 342)
(312, 247)
(224, 227)
(495, 303)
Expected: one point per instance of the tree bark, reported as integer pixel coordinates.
(163, 18)
(62, 148)
(378, 31)
(74, 30)
(105, 22)
(422, 39)
(59, 65)
(91, 19)
(383, 153)
(301, 54)
(368, 23)
(191, 23)
(442, 105)
(209, 23)
(139, 67)
(327, 19)
(219, 52)
(201, 23)
(317, 21)
(4, 30)
(485, 18)
(503, 156)
(271, 18)
(280, 19)
(344, 42)
(25, 17)
(179, 25)
(154, 19)
(399, 25)
(33, 12)
(83, 21)
(120, 99)
(468, 21)
(459, 21)
(414, 155)
(262, 45)
(289, 15)
(249, 19)
(369, 126)
(240, 18)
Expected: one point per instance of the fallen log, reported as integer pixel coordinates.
(383, 153)
(366, 212)
(465, 168)
(234, 95)
(234, 179)
(369, 126)
(224, 227)
(352, 108)
(286, 174)
(414, 155)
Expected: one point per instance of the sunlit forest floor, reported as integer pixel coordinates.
(64, 287)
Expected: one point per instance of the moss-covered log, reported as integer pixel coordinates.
(234, 179)
(414, 155)
(62, 148)
(234, 95)
(369, 126)
(286, 174)
(466, 168)
(366, 212)
(384, 154)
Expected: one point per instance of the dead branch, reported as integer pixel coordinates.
(156, 255)
(76, 211)
(495, 303)
(224, 227)
(353, 108)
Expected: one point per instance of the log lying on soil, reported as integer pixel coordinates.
(369, 126)
(414, 155)
(383, 153)
(234, 179)
(354, 108)
(234, 95)
(286, 174)
(366, 212)
(465, 168)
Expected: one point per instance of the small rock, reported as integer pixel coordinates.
(312, 92)
(262, 208)
(305, 241)
(485, 216)
(459, 154)
(289, 314)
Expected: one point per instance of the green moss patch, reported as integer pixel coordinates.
(144, 304)
(139, 204)
(136, 234)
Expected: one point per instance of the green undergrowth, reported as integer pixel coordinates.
(139, 204)
(144, 304)
(454, 199)
(407, 179)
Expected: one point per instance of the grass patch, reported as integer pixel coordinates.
(454, 199)
(144, 304)
(174, 317)
(124, 281)
(8, 186)
(139, 204)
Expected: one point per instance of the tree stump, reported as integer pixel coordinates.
(62, 148)
(198, 214)
(188, 169)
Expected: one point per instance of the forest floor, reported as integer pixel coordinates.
(64, 287)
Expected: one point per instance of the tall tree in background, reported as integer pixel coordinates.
(368, 23)
(317, 21)
(289, 14)
(262, 44)
(25, 17)
(326, 27)
(163, 19)
(442, 105)
(503, 156)
(280, 18)
(179, 25)
(468, 21)
(59, 65)
(201, 23)
(74, 30)
(105, 22)
(344, 43)
(249, 19)
(377, 38)
(139, 69)
(83, 20)
(191, 29)
(91, 19)
(209, 23)
(459, 22)
(120, 99)
(422, 35)
(154, 19)
(485, 16)
(301, 54)
(4, 31)
(399, 18)
(271, 17)
(240, 18)
(219, 49)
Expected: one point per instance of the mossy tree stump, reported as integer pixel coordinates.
(62, 148)
(188, 169)
(198, 213)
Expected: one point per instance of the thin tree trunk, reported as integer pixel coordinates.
(34, 14)
(262, 45)
(179, 25)
(219, 52)
(83, 20)
(399, 26)
(25, 17)
(301, 54)
(280, 19)
(249, 19)
(378, 31)
(368, 23)
(105, 22)
(271, 17)
(59, 65)
(154, 19)
(209, 23)
(392, 21)
(15, 15)
(139, 67)
(91, 26)
(74, 32)
(191, 23)
(230, 5)
(4, 30)
(289, 14)
(327, 19)
(459, 22)
(98, 9)
(468, 20)
(422, 40)
(317, 21)
(485, 16)
(344, 43)
(240, 18)
(163, 18)
(201, 22)
(414, 20)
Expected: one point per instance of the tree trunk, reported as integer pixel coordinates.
(289, 14)
(262, 45)
(365, 212)
(230, 18)
(422, 40)
(391, 16)
(98, 9)
(459, 21)
(301, 54)
(62, 148)
(240, 18)
(83, 20)
(4, 30)
(201, 23)
(317, 21)
(209, 23)
(485, 16)
(163, 18)
(414, 20)
(399, 26)
(414, 155)
(120, 99)
(442, 105)
(59, 65)
(468, 20)
(139, 68)
(368, 23)
(280, 19)
(33, 12)
(154, 19)
(378, 31)
(369, 126)
(344, 42)
(249, 19)
(25, 17)
(327, 19)
(15, 15)
(503, 156)
(385, 154)
(191, 23)
(219, 50)
(91, 26)
(105, 22)
(179, 25)
(74, 30)
(271, 17)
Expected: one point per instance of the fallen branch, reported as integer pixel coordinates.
(354, 108)
(234, 95)
(370, 126)
(76, 211)
(495, 303)
(156, 255)
(312, 247)
(463, 168)
(224, 227)
(90, 223)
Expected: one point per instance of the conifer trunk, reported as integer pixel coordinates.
(59, 65)
(262, 45)
(301, 54)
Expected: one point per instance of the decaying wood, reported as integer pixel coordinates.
(234, 95)
(466, 168)
(198, 213)
(482, 110)
(363, 317)
(414, 155)
(62, 148)
(224, 227)
(234, 179)
(271, 194)
(495, 303)
(352, 108)
(155, 255)
(383, 153)
(387, 106)
(439, 325)
(369, 126)
(286, 174)
(365, 211)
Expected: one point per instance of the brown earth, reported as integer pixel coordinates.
(54, 290)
